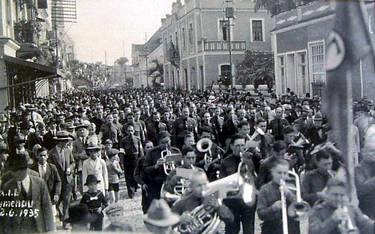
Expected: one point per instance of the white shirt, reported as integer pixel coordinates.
(42, 170)
(25, 183)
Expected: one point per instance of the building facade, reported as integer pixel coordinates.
(196, 35)
(299, 43)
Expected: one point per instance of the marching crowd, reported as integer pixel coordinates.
(181, 149)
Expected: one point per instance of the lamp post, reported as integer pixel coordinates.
(229, 14)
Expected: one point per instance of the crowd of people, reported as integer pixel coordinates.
(182, 150)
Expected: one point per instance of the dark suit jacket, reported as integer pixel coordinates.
(41, 201)
(52, 179)
(56, 159)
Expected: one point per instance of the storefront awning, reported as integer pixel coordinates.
(28, 71)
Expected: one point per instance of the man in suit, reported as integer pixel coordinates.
(48, 173)
(62, 157)
(133, 150)
(79, 152)
(278, 124)
(30, 189)
(48, 137)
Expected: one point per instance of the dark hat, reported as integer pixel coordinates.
(91, 179)
(108, 141)
(19, 161)
(163, 134)
(159, 214)
(63, 136)
(113, 152)
(69, 125)
(93, 146)
(289, 129)
(80, 214)
(19, 138)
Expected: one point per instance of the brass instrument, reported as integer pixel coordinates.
(284, 213)
(298, 209)
(346, 225)
(299, 141)
(204, 145)
(170, 159)
(167, 196)
(205, 221)
(237, 185)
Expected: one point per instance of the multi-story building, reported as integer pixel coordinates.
(299, 41)
(143, 58)
(196, 37)
(25, 67)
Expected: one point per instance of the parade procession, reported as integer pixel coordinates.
(235, 116)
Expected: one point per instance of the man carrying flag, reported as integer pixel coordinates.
(348, 43)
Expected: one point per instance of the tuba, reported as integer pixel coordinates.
(205, 221)
(170, 159)
(204, 145)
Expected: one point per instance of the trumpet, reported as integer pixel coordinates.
(346, 225)
(170, 159)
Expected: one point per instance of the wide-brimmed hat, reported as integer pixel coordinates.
(91, 179)
(159, 214)
(19, 161)
(83, 124)
(63, 136)
(80, 214)
(93, 146)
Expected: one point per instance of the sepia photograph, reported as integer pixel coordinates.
(187, 116)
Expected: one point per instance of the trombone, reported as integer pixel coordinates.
(170, 159)
(299, 209)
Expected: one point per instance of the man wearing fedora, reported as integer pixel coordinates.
(48, 173)
(33, 190)
(79, 151)
(159, 218)
(79, 218)
(62, 157)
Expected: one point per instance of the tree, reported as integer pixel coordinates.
(157, 73)
(122, 61)
(256, 68)
(276, 6)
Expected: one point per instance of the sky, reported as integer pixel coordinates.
(106, 25)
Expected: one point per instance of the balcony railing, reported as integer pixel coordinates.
(222, 46)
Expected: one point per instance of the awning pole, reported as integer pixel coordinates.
(30, 81)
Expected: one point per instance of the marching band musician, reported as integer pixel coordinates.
(316, 180)
(336, 215)
(153, 165)
(242, 213)
(154, 127)
(194, 198)
(212, 168)
(270, 204)
(365, 175)
(188, 161)
(183, 125)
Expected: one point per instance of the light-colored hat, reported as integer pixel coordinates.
(63, 136)
(159, 214)
(93, 146)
